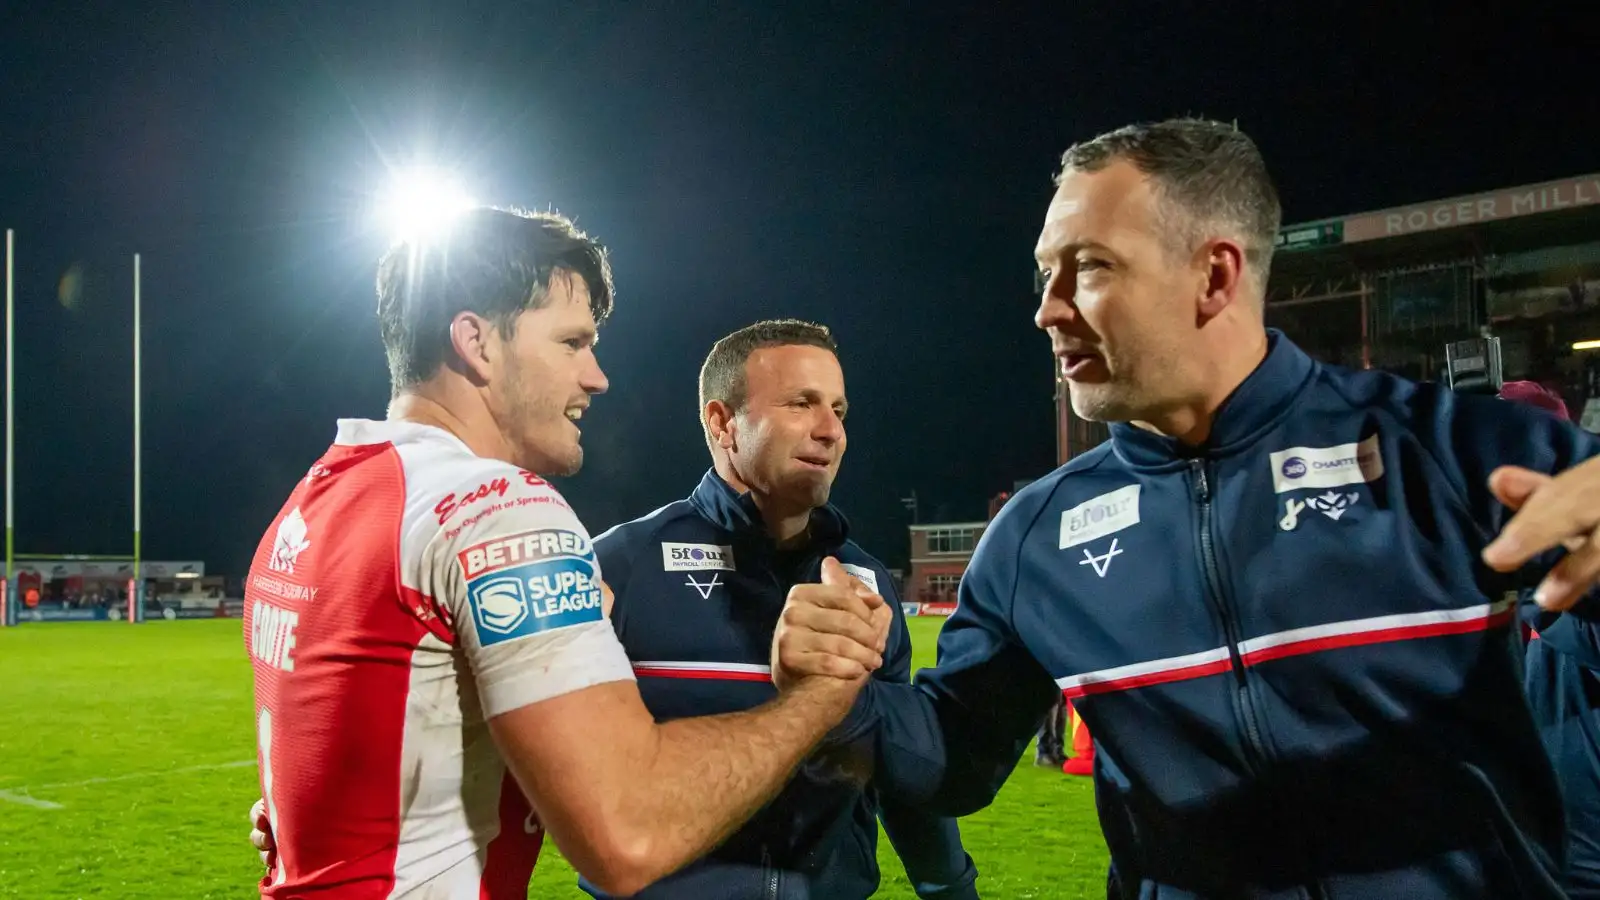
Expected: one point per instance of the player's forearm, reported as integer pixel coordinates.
(707, 776)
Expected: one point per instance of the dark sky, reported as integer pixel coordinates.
(880, 167)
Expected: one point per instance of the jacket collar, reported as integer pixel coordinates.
(1255, 405)
(718, 503)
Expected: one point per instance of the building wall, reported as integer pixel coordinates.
(936, 569)
(1074, 436)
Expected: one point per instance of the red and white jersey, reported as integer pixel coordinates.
(407, 592)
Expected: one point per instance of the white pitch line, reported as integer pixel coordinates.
(179, 771)
(25, 790)
(28, 801)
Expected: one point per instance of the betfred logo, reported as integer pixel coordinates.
(519, 549)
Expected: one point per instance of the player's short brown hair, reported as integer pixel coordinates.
(494, 262)
(723, 375)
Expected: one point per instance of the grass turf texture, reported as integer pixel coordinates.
(127, 771)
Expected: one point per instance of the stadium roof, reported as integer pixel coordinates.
(1529, 217)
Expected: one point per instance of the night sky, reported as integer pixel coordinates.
(879, 167)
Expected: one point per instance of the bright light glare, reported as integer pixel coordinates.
(423, 203)
(1586, 345)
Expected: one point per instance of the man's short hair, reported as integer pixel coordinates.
(723, 375)
(1208, 173)
(495, 262)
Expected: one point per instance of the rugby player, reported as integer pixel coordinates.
(436, 684)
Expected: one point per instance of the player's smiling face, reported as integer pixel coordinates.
(789, 438)
(546, 375)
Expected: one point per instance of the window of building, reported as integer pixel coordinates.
(943, 582)
(952, 540)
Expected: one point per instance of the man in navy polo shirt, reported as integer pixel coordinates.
(699, 586)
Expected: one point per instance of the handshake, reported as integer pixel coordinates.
(835, 629)
(830, 637)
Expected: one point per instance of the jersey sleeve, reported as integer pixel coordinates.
(613, 551)
(520, 588)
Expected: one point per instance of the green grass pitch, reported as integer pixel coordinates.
(127, 771)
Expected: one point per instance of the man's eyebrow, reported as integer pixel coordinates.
(1071, 248)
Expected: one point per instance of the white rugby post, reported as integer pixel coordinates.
(9, 603)
(135, 598)
(10, 587)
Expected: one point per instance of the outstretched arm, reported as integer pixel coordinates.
(929, 845)
(948, 742)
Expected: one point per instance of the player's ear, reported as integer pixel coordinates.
(476, 345)
(1222, 261)
(719, 424)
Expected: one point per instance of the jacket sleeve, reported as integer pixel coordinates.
(1471, 436)
(1570, 635)
(612, 551)
(929, 846)
(948, 742)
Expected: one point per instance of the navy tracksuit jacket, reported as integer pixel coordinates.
(1562, 678)
(1295, 665)
(699, 586)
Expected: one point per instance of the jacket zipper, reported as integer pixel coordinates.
(771, 873)
(1244, 707)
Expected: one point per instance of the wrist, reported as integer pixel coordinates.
(821, 701)
(858, 721)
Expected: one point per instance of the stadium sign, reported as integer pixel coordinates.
(65, 615)
(1550, 196)
(1316, 234)
(48, 570)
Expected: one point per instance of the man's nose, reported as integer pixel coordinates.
(594, 380)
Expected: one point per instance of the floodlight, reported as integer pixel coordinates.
(423, 203)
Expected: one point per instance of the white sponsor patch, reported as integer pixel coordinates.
(1326, 467)
(696, 557)
(1094, 519)
(867, 576)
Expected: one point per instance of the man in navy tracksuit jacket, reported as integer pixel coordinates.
(1561, 674)
(1268, 600)
(1293, 662)
(699, 585)
(1562, 678)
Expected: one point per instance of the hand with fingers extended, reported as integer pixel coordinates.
(836, 629)
(1551, 511)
